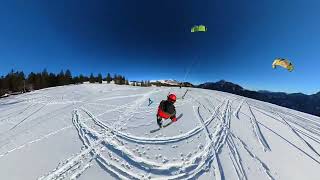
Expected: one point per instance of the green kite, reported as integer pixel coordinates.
(199, 28)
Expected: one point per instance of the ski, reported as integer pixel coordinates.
(166, 125)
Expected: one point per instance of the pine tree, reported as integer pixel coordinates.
(2, 92)
(1, 82)
(81, 78)
(52, 80)
(10, 78)
(119, 79)
(15, 81)
(5, 84)
(30, 80)
(92, 79)
(68, 77)
(44, 79)
(115, 77)
(108, 78)
(61, 78)
(37, 81)
(123, 80)
(99, 78)
(21, 80)
(85, 78)
(75, 80)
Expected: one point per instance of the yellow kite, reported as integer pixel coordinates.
(283, 63)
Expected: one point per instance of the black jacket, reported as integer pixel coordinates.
(167, 107)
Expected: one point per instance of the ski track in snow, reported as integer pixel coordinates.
(308, 134)
(265, 112)
(104, 143)
(16, 113)
(51, 133)
(120, 134)
(258, 132)
(185, 170)
(120, 97)
(159, 140)
(296, 131)
(307, 124)
(221, 140)
(304, 123)
(236, 160)
(36, 140)
(262, 164)
(24, 119)
(212, 157)
(299, 136)
(78, 173)
(196, 110)
(236, 113)
(290, 143)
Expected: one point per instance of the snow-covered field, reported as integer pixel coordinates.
(101, 131)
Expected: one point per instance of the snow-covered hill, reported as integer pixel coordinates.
(101, 131)
(167, 82)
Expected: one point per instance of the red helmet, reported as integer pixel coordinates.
(172, 98)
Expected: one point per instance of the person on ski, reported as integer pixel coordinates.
(167, 110)
(150, 102)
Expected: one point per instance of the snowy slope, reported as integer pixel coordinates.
(101, 131)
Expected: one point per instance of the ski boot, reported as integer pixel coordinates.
(159, 121)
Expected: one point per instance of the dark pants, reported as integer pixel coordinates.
(159, 121)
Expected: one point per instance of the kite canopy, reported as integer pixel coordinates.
(283, 63)
(199, 28)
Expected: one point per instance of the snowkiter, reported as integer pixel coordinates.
(150, 102)
(167, 110)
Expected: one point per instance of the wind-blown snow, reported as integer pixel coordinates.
(102, 131)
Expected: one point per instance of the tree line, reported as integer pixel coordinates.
(141, 83)
(18, 82)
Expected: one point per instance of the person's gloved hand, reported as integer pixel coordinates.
(174, 119)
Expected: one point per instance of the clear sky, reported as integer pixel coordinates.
(151, 39)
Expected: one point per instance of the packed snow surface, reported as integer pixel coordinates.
(102, 131)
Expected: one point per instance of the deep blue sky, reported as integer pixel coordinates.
(151, 39)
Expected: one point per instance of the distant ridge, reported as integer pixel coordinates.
(171, 82)
(297, 101)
